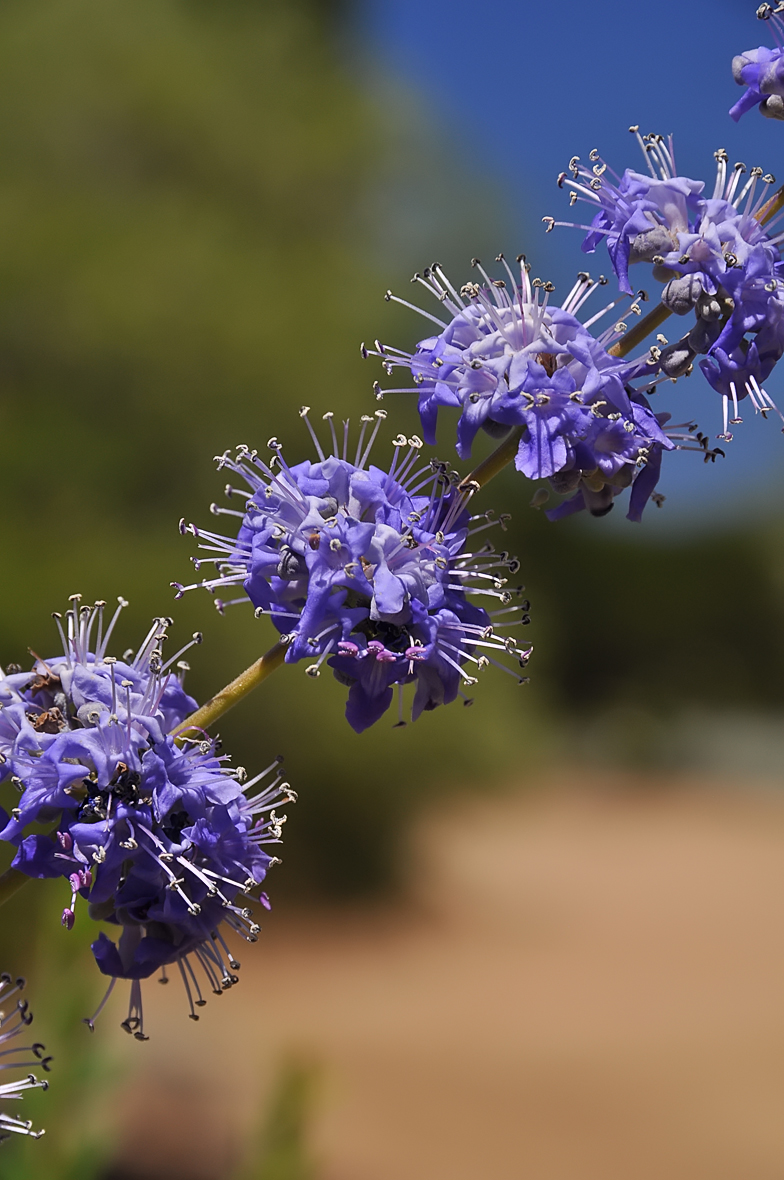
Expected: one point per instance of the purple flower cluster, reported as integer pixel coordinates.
(761, 71)
(374, 569)
(717, 256)
(15, 1020)
(507, 359)
(156, 834)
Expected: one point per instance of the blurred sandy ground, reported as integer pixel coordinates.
(586, 984)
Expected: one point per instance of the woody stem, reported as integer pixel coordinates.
(11, 881)
(500, 458)
(643, 328)
(234, 692)
(771, 207)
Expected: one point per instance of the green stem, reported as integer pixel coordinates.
(771, 207)
(637, 334)
(229, 696)
(11, 881)
(500, 458)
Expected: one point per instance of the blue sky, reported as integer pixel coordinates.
(518, 88)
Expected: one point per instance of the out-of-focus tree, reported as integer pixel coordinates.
(186, 199)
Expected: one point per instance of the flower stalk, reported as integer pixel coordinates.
(643, 328)
(501, 457)
(773, 206)
(233, 693)
(11, 881)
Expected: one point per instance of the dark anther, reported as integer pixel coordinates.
(126, 785)
(291, 564)
(50, 721)
(175, 822)
(92, 810)
(548, 361)
(46, 681)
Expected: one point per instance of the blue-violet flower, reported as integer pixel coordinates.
(761, 71)
(507, 359)
(719, 257)
(375, 569)
(155, 833)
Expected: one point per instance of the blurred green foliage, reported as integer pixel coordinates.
(196, 200)
(280, 1148)
(664, 621)
(189, 197)
(182, 193)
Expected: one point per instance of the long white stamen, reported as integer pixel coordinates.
(304, 415)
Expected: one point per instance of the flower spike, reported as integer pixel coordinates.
(518, 367)
(719, 256)
(163, 840)
(373, 572)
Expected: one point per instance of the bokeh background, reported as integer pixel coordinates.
(201, 206)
